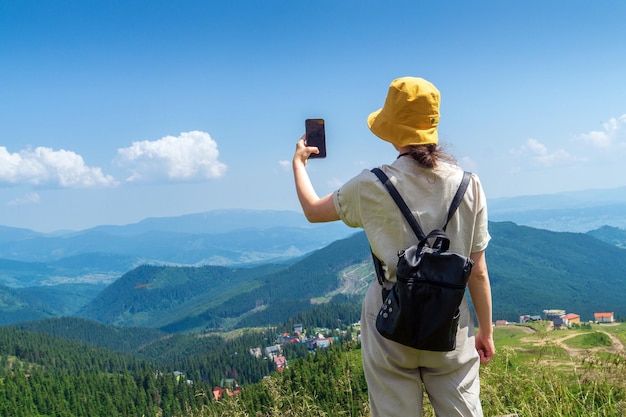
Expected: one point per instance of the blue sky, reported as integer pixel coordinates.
(115, 111)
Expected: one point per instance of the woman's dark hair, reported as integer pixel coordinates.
(428, 155)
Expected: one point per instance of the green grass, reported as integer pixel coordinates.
(510, 335)
(589, 341)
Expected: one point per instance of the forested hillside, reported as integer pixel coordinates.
(611, 235)
(533, 269)
(42, 375)
(45, 376)
(34, 303)
(58, 367)
(184, 298)
(121, 339)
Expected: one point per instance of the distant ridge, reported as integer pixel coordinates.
(575, 211)
(213, 222)
(219, 237)
(8, 234)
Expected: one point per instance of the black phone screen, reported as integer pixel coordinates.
(316, 136)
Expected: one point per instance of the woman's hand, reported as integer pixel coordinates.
(485, 347)
(303, 152)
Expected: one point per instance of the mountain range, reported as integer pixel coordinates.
(530, 270)
(228, 269)
(215, 237)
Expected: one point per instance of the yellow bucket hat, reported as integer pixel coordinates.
(410, 114)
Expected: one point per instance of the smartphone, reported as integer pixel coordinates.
(316, 136)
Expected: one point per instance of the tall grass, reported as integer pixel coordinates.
(591, 388)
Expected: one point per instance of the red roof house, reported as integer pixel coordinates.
(604, 317)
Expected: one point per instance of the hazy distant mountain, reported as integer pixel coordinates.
(8, 234)
(102, 254)
(578, 211)
(213, 222)
(213, 235)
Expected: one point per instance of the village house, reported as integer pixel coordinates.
(286, 338)
(551, 315)
(229, 387)
(559, 323)
(218, 393)
(324, 343)
(604, 317)
(319, 342)
(281, 363)
(272, 351)
(570, 319)
(527, 317)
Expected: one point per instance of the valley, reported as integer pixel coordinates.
(162, 313)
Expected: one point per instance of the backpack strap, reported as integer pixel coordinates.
(456, 201)
(400, 203)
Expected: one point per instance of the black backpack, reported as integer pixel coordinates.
(422, 308)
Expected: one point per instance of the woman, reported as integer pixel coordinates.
(428, 180)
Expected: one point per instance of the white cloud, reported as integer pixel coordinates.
(46, 167)
(285, 165)
(30, 198)
(613, 134)
(541, 155)
(190, 156)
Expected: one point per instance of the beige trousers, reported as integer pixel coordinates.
(396, 374)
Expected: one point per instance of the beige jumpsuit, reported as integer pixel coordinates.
(395, 373)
